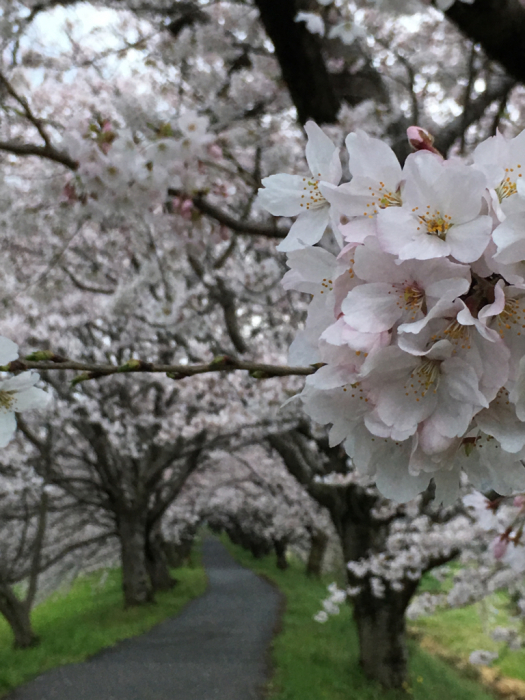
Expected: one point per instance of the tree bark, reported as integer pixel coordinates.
(18, 616)
(301, 60)
(280, 553)
(157, 562)
(136, 583)
(178, 554)
(318, 545)
(499, 26)
(381, 630)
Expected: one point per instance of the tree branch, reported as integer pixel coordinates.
(222, 363)
(47, 152)
(301, 60)
(237, 225)
(499, 26)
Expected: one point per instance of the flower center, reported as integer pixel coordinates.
(513, 314)
(437, 224)
(7, 400)
(382, 198)
(423, 378)
(507, 187)
(313, 199)
(413, 296)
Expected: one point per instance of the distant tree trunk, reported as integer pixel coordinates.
(136, 583)
(318, 545)
(280, 553)
(157, 561)
(382, 635)
(380, 621)
(177, 553)
(18, 616)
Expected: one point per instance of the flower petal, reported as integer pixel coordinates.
(321, 154)
(281, 195)
(7, 427)
(8, 350)
(307, 230)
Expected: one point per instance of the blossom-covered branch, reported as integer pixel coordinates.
(420, 316)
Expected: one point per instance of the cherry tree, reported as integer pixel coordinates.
(44, 539)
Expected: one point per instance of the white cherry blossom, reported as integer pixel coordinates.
(395, 292)
(18, 394)
(441, 213)
(291, 195)
(375, 185)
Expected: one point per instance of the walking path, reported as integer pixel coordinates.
(214, 650)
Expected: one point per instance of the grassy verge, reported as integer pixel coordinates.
(319, 662)
(74, 625)
(464, 630)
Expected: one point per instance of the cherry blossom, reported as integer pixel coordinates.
(289, 195)
(417, 322)
(18, 394)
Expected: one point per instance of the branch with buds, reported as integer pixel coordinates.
(43, 360)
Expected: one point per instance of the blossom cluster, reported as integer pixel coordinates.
(503, 519)
(350, 30)
(120, 170)
(17, 393)
(418, 314)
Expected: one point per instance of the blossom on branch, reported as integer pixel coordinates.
(17, 393)
(419, 321)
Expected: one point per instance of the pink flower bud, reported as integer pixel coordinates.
(69, 192)
(186, 206)
(215, 150)
(499, 547)
(519, 501)
(421, 140)
(106, 126)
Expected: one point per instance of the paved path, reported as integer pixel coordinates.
(214, 650)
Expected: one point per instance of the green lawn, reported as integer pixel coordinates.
(464, 630)
(74, 625)
(319, 662)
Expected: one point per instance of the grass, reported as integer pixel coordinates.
(319, 662)
(76, 624)
(464, 630)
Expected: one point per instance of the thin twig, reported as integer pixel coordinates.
(222, 363)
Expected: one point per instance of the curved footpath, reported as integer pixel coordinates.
(214, 650)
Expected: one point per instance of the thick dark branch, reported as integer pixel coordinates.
(37, 550)
(47, 152)
(237, 225)
(302, 64)
(226, 299)
(499, 26)
(37, 123)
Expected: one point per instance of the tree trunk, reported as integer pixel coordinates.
(380, 622)
(136, 583)
(157, 562)
(177, 554)
(280, 553)
(318, 545)
(382, 636)
(18, 616)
